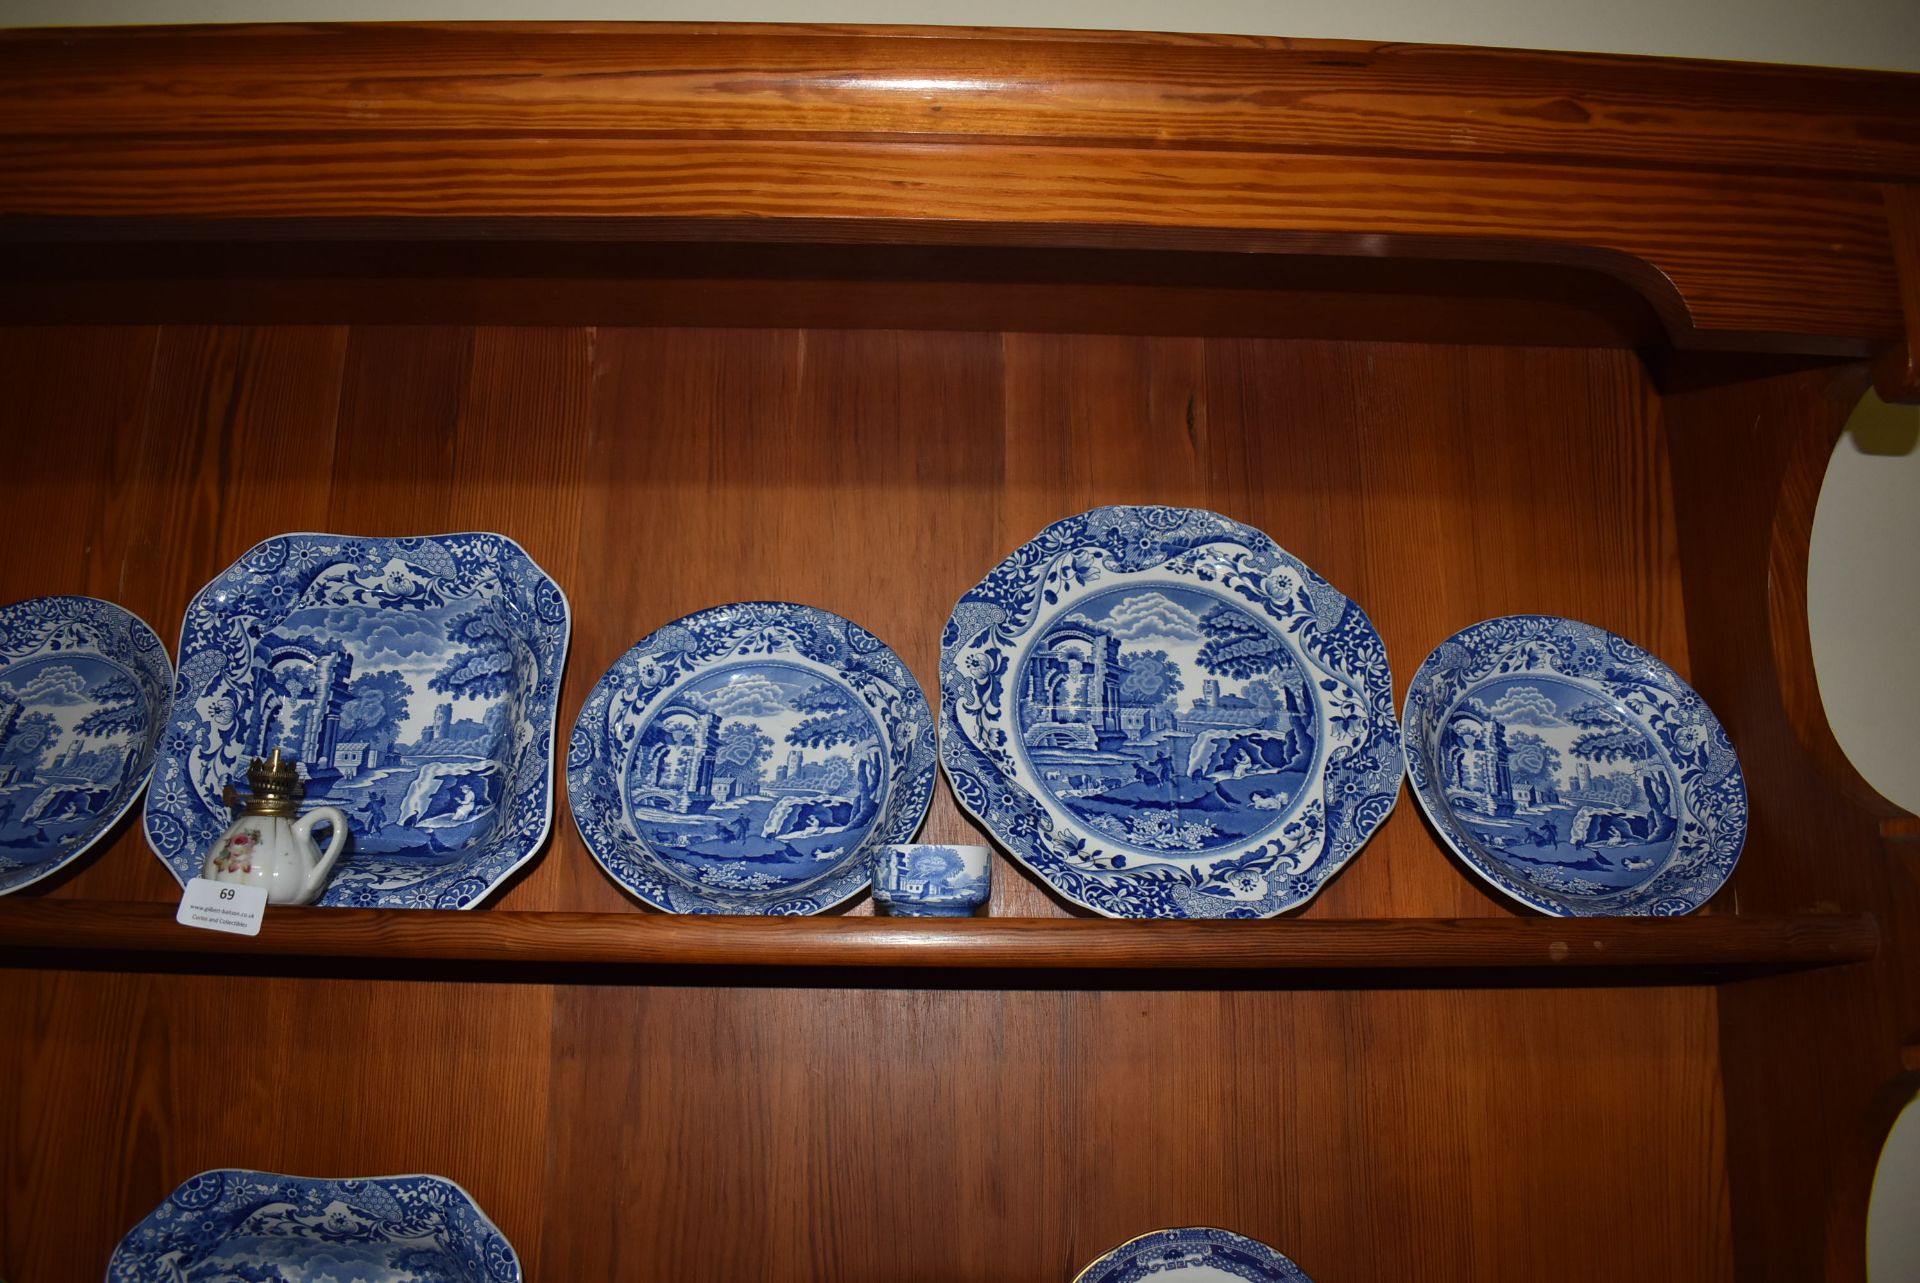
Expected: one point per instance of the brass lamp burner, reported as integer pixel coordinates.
(274, 787)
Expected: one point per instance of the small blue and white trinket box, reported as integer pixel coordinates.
(921, 880)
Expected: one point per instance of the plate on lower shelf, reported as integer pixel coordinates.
(1165, 715)
(236, 1225)
(1572, 770)
(84, 690)
(746, 759)
(1196, 1254)
(415, 681)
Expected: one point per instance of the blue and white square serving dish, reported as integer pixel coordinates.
(416, 681)
(239, 1226)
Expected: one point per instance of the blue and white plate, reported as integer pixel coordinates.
(1573, 770)
(1165, 715)
(415, 681)
(1197, 1254)
(746, 759)
(241, 1225)
(84, 687)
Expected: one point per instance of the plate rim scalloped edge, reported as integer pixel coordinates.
(1390, 737)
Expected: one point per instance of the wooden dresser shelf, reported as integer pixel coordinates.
(1724, 946)
(843, 316)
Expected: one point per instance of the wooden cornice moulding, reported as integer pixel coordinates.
(1749, 196)
(1071, 88)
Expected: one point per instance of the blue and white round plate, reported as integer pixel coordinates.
(1574, 771)
(233, 1224)
(415, 681)
(1196, 1254)
(84, 689)
(1165, 715)
(748, 758)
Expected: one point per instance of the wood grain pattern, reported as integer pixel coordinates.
(1810, 260)
(662, 470)
(1707, 944)
(188, 1073)
(1386, 456)
(1183, 293)
(1221, 93)
(1896, 373)
(1798, 1106)
(1311, 1120)
(976, 282)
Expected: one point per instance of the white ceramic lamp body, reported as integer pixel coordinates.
(278, 852)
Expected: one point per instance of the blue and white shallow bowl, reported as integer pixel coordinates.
(748, 758)
(1165, 715)
(1197, 1254)
(236, 1226)
(84, 689)
(416, 681)
(1572, 770)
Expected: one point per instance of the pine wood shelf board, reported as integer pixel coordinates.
(1721, 943)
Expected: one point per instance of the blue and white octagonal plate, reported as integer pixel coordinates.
(746, 759)
(235, 1226)
(1165, 715)
(416, 681)
(84, 688)
(1197, 1254)
(1573, 770)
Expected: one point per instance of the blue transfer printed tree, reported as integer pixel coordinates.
(1605, 738)
(376, 708)
(482, 663)
(1238, 645)
(1151, 679)
(28, 742)
(833, 720)
(744, 749)
(120, 708)
(1532, 761)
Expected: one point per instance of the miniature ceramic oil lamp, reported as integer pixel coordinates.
(268, 846)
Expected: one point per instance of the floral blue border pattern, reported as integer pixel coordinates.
(664, 661)
(1712, 794)
(226, 621)
(416, 1227)
(89, 626)
(1228, 1255)
(1359, 778)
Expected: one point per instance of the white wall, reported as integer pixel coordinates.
(1863, 597)
(1864, 592)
